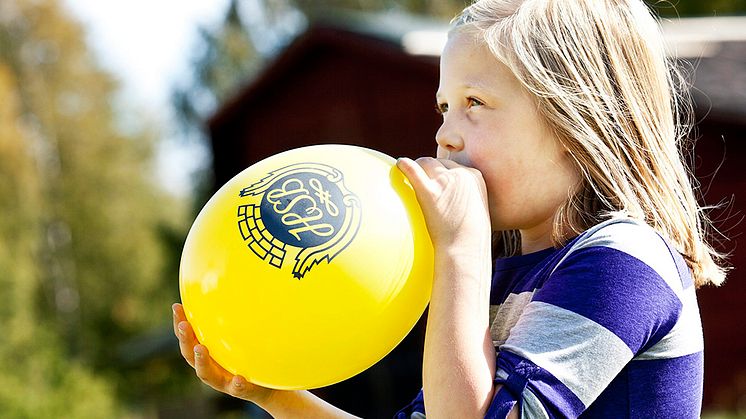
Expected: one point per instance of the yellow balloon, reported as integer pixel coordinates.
(308, 267)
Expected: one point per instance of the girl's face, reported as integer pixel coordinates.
(491, 123)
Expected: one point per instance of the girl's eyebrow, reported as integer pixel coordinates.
(466, 86)
(480, 86)
(474, 85)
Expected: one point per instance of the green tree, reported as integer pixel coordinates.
(83, 265)
(36, 377)
(227, 56)
(686, 8)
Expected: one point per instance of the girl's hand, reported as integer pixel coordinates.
(453, 199)
(208, 370)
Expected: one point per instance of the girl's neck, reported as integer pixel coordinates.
(537, 238)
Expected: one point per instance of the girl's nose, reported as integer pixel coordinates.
(448, 138)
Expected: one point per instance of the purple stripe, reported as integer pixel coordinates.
(502, 404)
(662, 388)
(672, 385)
(417, 405)
(523, 273)
(557, 399)
(617, 291)
(685, 274)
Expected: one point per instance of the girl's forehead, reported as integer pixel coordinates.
(465, 43)
(466, 62)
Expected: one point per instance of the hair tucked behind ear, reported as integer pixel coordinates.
(604, 86)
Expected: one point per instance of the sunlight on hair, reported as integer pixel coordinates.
(620, 108)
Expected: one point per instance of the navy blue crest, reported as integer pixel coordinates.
(304, 206)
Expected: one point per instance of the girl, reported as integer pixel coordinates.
(560, 139)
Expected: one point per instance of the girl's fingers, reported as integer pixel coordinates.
(178, 316)
(410, 168)
(185, 334)
(187, 341)
(210, 372)
(450, 164)
(215, 376)
(414, 173)
(429, 168)
(421, 172)
(238, 387)
(433, 167)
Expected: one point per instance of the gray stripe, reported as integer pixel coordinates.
(504, 316)
(532, 407)
(580, 353)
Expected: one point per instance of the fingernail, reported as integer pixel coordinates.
(182, 328)
(173, 307)
(237, 383)
(197, 354)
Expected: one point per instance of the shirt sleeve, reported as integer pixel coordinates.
(613, 296)
(414, 410)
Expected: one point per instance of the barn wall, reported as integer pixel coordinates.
(334, 94)
(720, 166)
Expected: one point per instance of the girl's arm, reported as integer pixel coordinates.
(278, 403)
(459, 358)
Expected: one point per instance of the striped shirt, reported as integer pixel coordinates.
(607, 326)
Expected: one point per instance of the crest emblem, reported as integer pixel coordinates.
(302, 208)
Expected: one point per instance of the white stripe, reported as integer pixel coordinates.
(579, 352)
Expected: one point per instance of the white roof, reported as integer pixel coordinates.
(702, 36)
(686, 37)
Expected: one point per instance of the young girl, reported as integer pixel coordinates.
(560, 139)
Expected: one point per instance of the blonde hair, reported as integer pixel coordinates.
(604, 86)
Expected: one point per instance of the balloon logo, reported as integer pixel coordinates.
(309, 208)
(308, 267)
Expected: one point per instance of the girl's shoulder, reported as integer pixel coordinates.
(616, 231)
(634, 238)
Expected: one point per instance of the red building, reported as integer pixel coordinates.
(358, 82)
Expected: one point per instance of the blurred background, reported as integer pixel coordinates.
(119, 119)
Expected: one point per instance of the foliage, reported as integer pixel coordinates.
(82, 266)
(226, 57)
(682, 8)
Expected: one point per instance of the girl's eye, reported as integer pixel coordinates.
(472, 101)
(442, 108)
